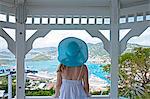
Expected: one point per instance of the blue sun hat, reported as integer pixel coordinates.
(72, 52)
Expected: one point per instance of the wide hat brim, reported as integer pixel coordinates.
(79, 59)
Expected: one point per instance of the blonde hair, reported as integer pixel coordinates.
(61, 68)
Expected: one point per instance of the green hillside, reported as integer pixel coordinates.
(47, 53)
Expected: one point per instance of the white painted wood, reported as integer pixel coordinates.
(126, 3)
(37, 34)
(50, 97)
(114, 46)
(10, 86)
(6, 7)
(20, 51)
(98, 11)
(68, 27)
(5, 3)
(34, 9)
(21, 13)
(8, 25)
(96, 33)
(71, 3)
(19, 1)
(20, 55)
(77, 3)
(40, 8)
(11, 43)
(136, 30)
(71, 26)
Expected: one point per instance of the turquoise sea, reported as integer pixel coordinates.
(52, 65)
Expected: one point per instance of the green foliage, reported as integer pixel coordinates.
(95, 93)
(40, 92)
(13, 89)
(133, 73)
(100, 92)
(125, 57)
(106, 68)
(4, 85)
(134, 70)
(144, 96)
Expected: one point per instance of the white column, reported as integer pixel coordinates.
(25, 75)
(10, 86)
(114, 44)
(20, 50)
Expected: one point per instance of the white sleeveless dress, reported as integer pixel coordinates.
(72, 89)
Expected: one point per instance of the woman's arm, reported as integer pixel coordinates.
(58, 84)
(86, 80)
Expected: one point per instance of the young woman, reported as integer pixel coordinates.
(72, 73)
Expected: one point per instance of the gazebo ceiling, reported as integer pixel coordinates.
(76, 3)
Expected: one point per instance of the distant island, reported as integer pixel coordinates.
(41, 63)
(96, 53)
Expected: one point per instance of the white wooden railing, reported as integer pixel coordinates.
(50, 97)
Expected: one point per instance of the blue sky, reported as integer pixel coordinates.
(55, 36)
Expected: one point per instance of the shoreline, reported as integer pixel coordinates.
(96, 83)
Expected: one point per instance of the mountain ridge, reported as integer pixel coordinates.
(47, 53)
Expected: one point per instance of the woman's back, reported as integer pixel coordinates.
(72, 54)
(73, 73)
(72, 87)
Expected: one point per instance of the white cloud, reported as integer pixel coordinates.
(106, 33)
(29, 33)
(3, 43)
(123, 33)
(54, 37)
(10, 32)
(143, 39)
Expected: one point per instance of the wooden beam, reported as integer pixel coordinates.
(11, 43)
(8, 25)
(114, 46)
(68, 27)
(96, 33)
(37, 34)
(136, 30)
(20, 49)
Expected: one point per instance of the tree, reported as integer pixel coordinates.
(4, 85)
(106, 68)
(134, 73)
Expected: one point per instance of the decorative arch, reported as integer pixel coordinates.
(136, 30)
(37, 34)
(96, 33)
(11, 43)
